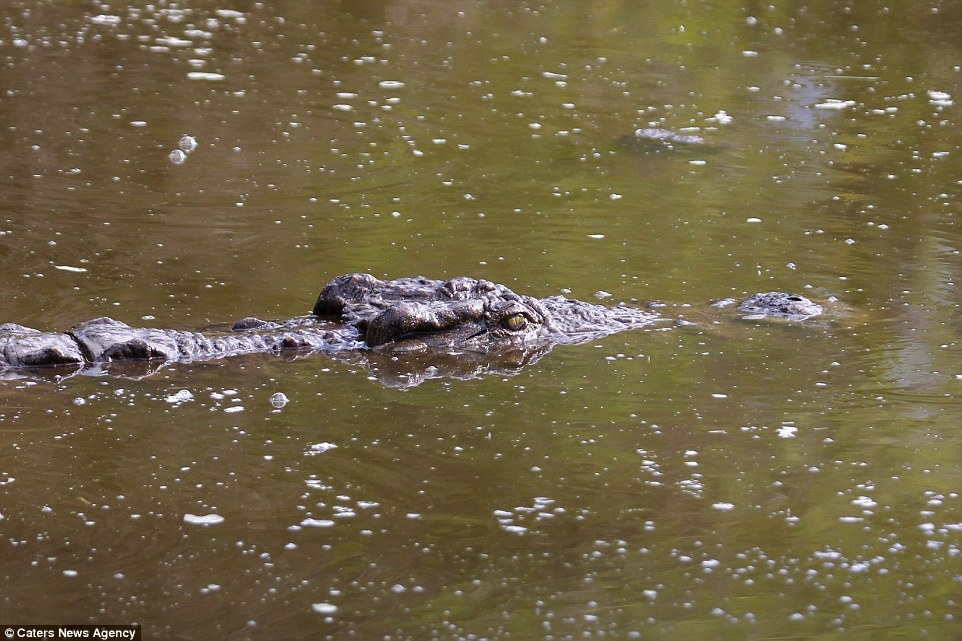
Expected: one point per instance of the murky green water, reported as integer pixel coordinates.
(724, 481)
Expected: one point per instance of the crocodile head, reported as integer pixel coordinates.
(410, 313)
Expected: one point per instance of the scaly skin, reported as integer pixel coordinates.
(480, 322)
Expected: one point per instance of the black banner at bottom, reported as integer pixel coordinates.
(57, 632)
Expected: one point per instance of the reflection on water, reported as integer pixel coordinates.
(729, 479)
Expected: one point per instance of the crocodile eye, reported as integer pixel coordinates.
(514, 322)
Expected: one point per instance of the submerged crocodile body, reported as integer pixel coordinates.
(458, 328)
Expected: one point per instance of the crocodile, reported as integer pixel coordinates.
(408, 329)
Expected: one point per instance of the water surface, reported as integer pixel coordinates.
(729, 480)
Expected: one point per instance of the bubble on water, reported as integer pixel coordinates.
(939, 98)
(204, 75)
(320, 448)
(187, 143)
(310, 522)
(180, 397)
(324, 608)
(173, 41)
(279, 400)
(106, 19)
(203, 519)
(835, 103)
(787, 430)
(722, 118)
